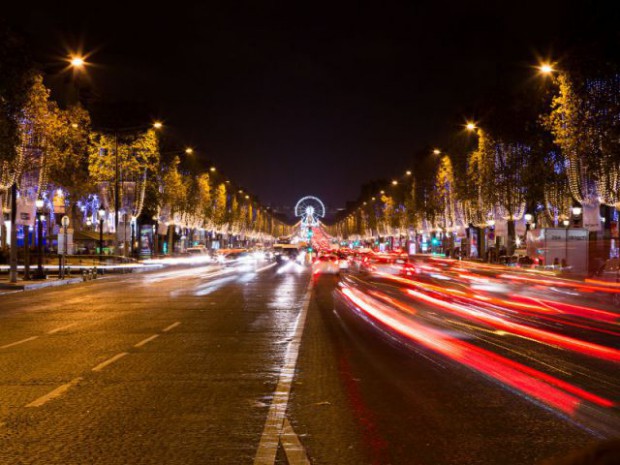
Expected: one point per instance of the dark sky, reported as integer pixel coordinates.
(296, 98)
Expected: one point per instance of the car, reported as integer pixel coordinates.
(610, 273)
(326, 264)
(197, 251)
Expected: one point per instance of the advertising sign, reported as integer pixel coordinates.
(26, 210)
(146, 240)
(592, 217)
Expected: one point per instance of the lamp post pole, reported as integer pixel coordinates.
(101, 216)
(40, 273)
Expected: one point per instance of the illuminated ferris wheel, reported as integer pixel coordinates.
(310, 210)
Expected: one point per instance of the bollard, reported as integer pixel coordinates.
(95, 273)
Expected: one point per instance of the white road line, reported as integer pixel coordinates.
(295, 452)
(54, 331)
(271, 265)
(59, 391)
(268, 446)
(147, 340)
(19, 342)
(172, 326)
(109, 361)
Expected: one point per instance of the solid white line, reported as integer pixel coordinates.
(59, 391)
(295, 452)
(172, 326)
(109, 361)
(53, 331)
(147, 340)
(268, 446)
(19, 342)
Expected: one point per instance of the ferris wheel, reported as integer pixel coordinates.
(310, 209)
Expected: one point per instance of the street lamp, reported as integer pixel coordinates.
(408, 172)
(436, 152)
(189, 150)
(470, 126)
(40, 274)
(546, 68)
(65, 224)
(528, 217)
(101, 214)
(576, 211)
(158, 125)
(77, 62)
(394, 182)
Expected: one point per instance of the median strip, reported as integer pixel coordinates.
(271, 437)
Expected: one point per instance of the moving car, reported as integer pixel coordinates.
(326, 264)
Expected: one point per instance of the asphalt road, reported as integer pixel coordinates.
(186, 367)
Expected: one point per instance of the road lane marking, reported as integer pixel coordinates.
(147, 340)
(109, 361)
(54, 331)
(172, 326)
(19, 342)
(59, 391)
(271, 265)
(295, 452)
(268, 446)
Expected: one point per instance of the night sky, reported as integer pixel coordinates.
(296, 98)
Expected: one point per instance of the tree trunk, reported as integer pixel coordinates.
(511, 239)
(170, 238)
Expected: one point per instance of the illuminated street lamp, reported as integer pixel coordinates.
(212, 169)
(158, 125)
(77, 62)
(546, 68)
(528, 217)
(470, 126)
(576, 211)
(436, 152)
(189, 150)
(394, 182)
(408, 172)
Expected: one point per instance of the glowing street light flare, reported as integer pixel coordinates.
(189, 150)
(158, 125)
(436, 152)
(77, 62)
(546, 68)
(408, 172)
(394, 182)
(470, 126)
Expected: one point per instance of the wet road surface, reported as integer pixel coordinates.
(182, 367)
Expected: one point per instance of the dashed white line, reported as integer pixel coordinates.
(172, 326)
(147, 340)
(109, 361)
(54, 331)
(19, 342)
(268, 446)
(59, 391)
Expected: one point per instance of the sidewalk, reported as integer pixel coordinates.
(22, 285)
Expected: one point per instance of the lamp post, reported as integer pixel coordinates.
(101, 214)
(63, 257)
(40, 274)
